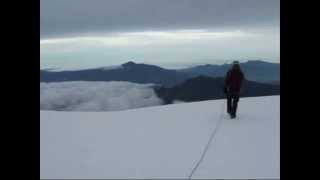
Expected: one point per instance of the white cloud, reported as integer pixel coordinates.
(142, 38)
(96, 96)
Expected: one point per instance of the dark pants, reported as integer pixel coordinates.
(232, 103)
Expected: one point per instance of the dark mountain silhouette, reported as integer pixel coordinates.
(207, 88)
(130, 71)
(143, 73)
(257, 70)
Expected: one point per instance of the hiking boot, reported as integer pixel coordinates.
(233, 116)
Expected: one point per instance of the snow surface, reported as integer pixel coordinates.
(96, 96)
(163, 142)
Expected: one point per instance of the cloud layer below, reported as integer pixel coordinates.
(96, 96)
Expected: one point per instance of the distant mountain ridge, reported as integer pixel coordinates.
(130, 71)
(259, 71)
(207, 88)
(256, 70)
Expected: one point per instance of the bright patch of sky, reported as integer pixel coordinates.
(170, 49)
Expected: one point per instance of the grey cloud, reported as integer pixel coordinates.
(70, 17)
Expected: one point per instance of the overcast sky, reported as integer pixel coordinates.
(93, 33)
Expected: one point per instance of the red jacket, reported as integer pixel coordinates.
(233, 80)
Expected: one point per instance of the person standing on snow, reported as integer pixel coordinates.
(232, 87)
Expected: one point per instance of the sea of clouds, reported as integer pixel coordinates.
(96, 96)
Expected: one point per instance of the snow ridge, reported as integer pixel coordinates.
(164, 142)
